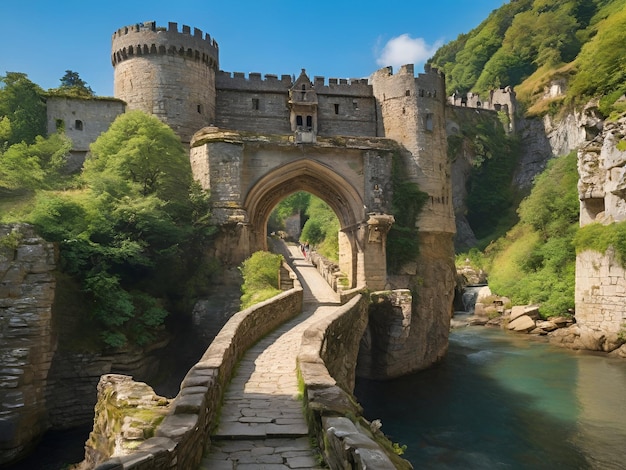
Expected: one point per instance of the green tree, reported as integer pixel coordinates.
(73, 85)
(139, 156)
(322, 229)
(35, 166)
(139, 212)
(22, 110)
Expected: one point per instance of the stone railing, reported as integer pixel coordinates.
(183, 434)
(332, 275)
(326, 365)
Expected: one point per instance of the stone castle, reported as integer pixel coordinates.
(174, 74)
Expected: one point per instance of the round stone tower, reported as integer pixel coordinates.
(167, 73)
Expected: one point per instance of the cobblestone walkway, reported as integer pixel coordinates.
(262, 425)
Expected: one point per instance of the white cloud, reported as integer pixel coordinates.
(404, 49)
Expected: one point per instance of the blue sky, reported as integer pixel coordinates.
(339, 39)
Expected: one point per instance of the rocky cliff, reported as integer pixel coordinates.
(601, 277)
(27, 284)
(50, 363)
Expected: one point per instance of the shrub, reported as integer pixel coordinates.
(260, 277)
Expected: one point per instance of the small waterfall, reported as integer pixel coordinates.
(469, 296)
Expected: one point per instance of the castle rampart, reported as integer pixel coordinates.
(501, 99)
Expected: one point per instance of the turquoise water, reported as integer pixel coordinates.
(502, 401)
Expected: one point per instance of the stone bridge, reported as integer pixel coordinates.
(248, 175)
(241, 406)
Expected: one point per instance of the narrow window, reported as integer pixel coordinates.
(407, 93)
(309, 122)
(255, 104)
(429, 122)
(199, 108)
(336, 108)
(78, 125)
(299, 121)
(355, 104)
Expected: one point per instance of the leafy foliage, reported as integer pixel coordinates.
(260, 278)
(34, 166)
(22, 110)
(139, 213)
(322, 229)
(296, 203)
(491, 198)
(599, 238)
(535, 262)
(406, 204)
(528, 36)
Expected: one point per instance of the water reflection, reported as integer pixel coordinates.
(504, 401)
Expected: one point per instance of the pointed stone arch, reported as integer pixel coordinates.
(320, 180)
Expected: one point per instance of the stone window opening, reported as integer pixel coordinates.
(429, 122)
(78, 125)
(303, 92)
(299, 121)
(407, 93)
(199, 109)
(255, 104)
(336, 108)
(355, 104)
(309, 122)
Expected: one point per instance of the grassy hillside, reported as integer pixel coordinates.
(529, 44)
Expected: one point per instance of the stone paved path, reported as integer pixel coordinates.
(262, 425)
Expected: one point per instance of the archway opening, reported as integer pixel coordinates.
(312, 177)
(304, 218)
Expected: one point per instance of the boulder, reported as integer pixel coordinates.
(531, 311)
(562, 322)
(547, 325)
(522, 324)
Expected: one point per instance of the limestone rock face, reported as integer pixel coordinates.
(127, 413)
(27, 283)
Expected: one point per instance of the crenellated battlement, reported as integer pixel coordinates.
(255, 81)
(430, 84)
(499, 100)
(149, 39)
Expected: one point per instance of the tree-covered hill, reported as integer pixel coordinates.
(529, 44)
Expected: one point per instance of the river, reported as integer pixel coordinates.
(506, 401)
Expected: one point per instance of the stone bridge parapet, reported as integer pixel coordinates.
(181, 438)
(326, 365)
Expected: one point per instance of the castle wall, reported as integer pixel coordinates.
(168, 74)
(83, 120)
(253, 104)
(345, 107)
(600, 291)
(261, 105)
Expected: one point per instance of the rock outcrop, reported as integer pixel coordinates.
(27, 283)
(127, 413)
